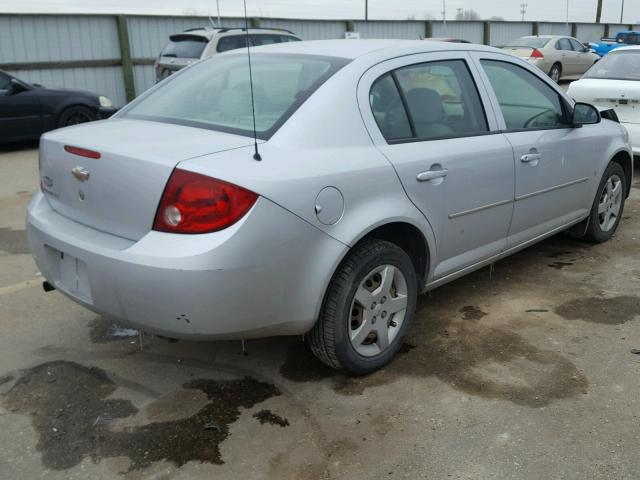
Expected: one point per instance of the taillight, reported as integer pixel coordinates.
(195, 203)
(536, 53)
(83, 152)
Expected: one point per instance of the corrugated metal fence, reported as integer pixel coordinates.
(114, 56)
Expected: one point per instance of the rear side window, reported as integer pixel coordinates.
(185, 47)
(264, 39)
(563, 44)
(526, 101)
(231, 42)
(388, 109)
(440, 100)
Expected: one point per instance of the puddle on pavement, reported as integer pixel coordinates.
(472, 313)
(70, 410)
(560, 265)
(104, 331)
(267, 416)
(610, 311)
(469, 356)
(14, 242)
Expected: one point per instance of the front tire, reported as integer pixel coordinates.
(369, 305)
(76, 115)
(608, 205)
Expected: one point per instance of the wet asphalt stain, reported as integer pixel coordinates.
(479, 360)
(13, 242)
(537, 310)
(68, 405)
(472, 313)
(558, 253)
(104, 331)
(560, 265)
(610, 311)
(6, 379)
(267, 416)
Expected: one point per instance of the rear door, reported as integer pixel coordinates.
(551, 174)
(425, 113)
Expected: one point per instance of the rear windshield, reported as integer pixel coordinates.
(529, 42)
(215, 93)
(617, 65)
(185, 47)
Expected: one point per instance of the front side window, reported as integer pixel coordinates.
(215, 93)
(526, 101)
(577, 46)
(5, 81)
(563, 44)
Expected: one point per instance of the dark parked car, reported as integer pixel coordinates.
(28, 110)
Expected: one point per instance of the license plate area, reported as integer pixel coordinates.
(69, 274)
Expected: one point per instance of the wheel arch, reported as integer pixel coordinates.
(625, 160)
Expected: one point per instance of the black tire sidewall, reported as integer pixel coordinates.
(344, 350)
(595, 232)
(66, 113)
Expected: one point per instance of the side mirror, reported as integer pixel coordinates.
(586, 49)
(585, 114)
(17, 87)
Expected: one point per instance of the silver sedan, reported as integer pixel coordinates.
(380, 170)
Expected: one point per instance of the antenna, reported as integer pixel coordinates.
(256, 155)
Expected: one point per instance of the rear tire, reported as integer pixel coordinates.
(75, 115)
(369, 305)
(608, 205)
(556, 72)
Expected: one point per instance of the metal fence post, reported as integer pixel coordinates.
(574, 30)
(125, 57)
(606, 30)
(486, 33)
(350, 25)
(428, 29)
(535, 28)
(254, 23)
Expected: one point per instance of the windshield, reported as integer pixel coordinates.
(215, 93)
(617, 65)
(529, 42)
(184, 47)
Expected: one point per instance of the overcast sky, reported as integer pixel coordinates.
(544, 10)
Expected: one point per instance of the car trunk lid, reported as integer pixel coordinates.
(119, 192)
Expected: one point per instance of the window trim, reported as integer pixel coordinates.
(414, 138)
(563, 103)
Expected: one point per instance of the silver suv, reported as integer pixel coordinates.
(203, 42)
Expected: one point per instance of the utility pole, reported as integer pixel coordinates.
(567, 17)
(523, 9)
(621, 11)
(366, 10)
(218, 6)
(599, 11)
(444, 12)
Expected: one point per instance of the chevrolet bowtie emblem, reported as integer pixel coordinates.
(80, 173)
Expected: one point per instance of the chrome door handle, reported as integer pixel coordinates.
(530, 157)
(432, 175)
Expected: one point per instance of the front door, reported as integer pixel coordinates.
(425, 113)
(552, 180)
(20, 116)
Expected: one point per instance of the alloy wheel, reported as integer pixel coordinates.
(378, 310)
(610, 203)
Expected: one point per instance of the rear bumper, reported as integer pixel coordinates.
(634, 136)
(265, 275)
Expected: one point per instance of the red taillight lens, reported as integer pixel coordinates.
(83, 152)
(195, 203)
(536, 53)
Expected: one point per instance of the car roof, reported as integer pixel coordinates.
(352, 49)
(209, 32)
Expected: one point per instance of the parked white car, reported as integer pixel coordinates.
(614, 82)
